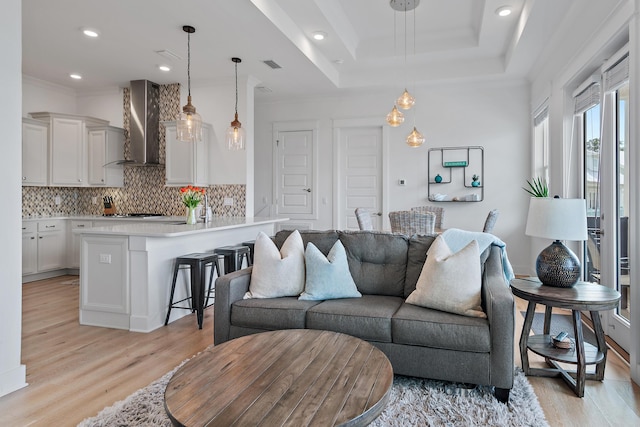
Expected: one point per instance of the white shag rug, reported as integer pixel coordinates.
(413, 402)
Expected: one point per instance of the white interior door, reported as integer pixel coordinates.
(360, 181)
(294, 173)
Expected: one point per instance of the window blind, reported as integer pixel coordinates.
(587, 98)
(617, 74)
(541, 116)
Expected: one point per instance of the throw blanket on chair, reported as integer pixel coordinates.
(457, 239)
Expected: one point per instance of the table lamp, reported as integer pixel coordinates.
(558, 219)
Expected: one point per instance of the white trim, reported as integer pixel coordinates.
(615, 58)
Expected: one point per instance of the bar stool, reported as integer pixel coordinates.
(197, 264)
(251, 245)
(233, 256)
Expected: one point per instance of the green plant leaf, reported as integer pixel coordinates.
(537, 188)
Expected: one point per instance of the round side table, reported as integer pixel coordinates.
(583, 296)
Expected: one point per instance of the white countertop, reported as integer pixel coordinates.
(173, 226)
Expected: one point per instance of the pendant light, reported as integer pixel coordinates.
(415, 138)
(395, 118)
(235, 134)
(406, 100)
(189, 123)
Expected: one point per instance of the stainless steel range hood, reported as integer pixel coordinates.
(144, 124)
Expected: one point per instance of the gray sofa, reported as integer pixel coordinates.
(418, 341)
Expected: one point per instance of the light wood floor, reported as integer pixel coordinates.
(74, 371)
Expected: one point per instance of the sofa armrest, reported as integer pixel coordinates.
(229, 289)
(500, 308)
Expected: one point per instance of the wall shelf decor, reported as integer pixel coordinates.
(456, 174)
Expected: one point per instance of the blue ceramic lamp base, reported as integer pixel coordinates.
(558, 266)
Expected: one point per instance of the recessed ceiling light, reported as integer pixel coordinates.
(164, 68)
(503, 11)
(90, 32)
(75, 76)
(319, 35)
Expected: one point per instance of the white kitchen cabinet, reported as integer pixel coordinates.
(35, 136)
(187, 162)
(106, 147)
(52, 245)
(29, 248)
(74, 240)
(67, 151)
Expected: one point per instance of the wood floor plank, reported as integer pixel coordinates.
(75, 371)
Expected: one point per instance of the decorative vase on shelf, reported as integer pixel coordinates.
(475, 181)
(438, 179)
(191, 215)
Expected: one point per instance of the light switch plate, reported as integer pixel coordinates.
(228, 201)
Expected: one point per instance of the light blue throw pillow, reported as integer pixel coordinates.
(328, 277)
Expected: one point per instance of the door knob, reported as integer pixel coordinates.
(308, 190)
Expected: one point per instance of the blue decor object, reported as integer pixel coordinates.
(438, 179)
(328, 277)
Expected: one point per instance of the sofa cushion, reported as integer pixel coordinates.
(323, 239)
(328, 277)
(417, 253)
(414, 325)
(271, 313)
(277, 273)
(450, 281)
(368, 318)
(377, 261)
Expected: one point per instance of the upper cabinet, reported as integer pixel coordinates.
(106, 147)
(187, 162)
(71, 151)
(35, 136)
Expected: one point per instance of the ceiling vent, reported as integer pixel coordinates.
(273, 64)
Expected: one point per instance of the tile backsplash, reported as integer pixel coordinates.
(144, 189)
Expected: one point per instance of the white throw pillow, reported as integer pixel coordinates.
(450, 282)
(277, 273)
(328, 277)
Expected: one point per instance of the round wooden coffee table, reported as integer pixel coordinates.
(292, 377)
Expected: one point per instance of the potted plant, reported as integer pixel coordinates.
(475, 181)
(537, 187)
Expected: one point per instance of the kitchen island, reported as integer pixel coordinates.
(126, 270)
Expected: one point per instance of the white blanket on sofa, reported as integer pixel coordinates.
(457, 239)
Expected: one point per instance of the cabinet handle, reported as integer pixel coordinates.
(49, 226)
(81, 226)
(32, 238)
(24, 228)
(39, 237)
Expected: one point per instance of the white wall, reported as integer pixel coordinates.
(494, 115)
(39, 95)
(12, 372)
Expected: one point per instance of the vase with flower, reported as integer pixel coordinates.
(191, 198)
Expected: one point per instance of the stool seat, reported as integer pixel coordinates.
(233, 256)
(197, 263)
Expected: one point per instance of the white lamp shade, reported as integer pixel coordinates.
(557, 219)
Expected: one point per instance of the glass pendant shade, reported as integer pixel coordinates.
(406, 101)
(235, 135)
(415, 138)
(189, 124)
(395, 118)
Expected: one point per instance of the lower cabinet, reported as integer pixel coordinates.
(44, 248)
(52, 245)
(29, 248)
(74, 240)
